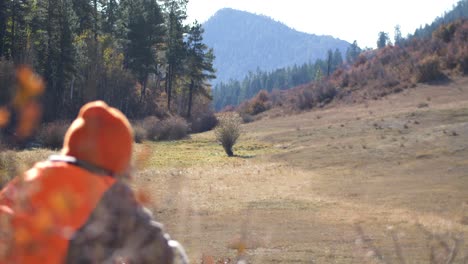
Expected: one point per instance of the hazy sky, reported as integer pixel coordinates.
(349, 20)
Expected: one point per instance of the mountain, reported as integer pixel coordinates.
(244, 42)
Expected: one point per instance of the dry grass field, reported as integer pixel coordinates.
(381, 182)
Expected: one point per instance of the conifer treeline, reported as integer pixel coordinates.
(460, 10)
(138, 55)
(234, 92)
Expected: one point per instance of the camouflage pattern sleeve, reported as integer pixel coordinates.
(120, 231)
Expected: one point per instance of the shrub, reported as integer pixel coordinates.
(257, 107)
(228, 131)
(429, 70)
(172, 128)
(51, 135)
(445, 32)
(203, 123)
(463, 61)
(260, 103)
(150, 125)
(324, 92)
(305, 100)
(139, 132)
(247, 118)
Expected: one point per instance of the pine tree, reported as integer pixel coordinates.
(175, 53)
(382, 40)
(200, 64)
(145, 32)
(352, 52)
(337, 60)
(398, 38)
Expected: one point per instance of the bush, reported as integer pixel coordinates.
(203, 123)
(139, 132)
(305, 100)
(172, 128)
(51, 135)
(429, 70)
(228, 131)
(150, 125)
(463, 61)
(257, 107)
(324, 92)
(445, 32)
(246, 118)
(260, 103)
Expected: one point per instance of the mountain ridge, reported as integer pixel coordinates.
(244, 42)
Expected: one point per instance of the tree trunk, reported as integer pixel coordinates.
(13, 37)
(3, 26)
(229, 152)
(143, 89)
(169, 88)
(189, 110)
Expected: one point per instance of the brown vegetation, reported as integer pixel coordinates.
(378, 73)
(228, 131)
(51, 135)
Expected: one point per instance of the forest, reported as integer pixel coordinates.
(137, 55)
(234, 92)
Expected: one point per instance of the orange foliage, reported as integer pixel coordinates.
(30, 85)
(4, 116)
(30, 115)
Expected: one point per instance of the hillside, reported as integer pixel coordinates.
(460, 10)
(243, 42)
(377, 73)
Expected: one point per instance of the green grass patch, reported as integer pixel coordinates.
(200, 150)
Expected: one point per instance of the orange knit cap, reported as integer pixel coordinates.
(100, 135)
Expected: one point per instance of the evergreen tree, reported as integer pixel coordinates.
(329, 61)
(337, 59)
(352, 52)
(84, 11)
(398, 38)
(14, 24)
(175, 53)
(145, 31)
(200, 64)
(3, 25)
(383, 40)
(109, 13)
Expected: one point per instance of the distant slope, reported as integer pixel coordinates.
(460, 10)
(376, 74)
(243, 42)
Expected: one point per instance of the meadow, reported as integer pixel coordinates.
(378, 182)
(383, 181)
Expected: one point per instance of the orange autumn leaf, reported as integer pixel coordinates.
(30, 85)
(4, 116)
(143, 197)
(29, 118)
